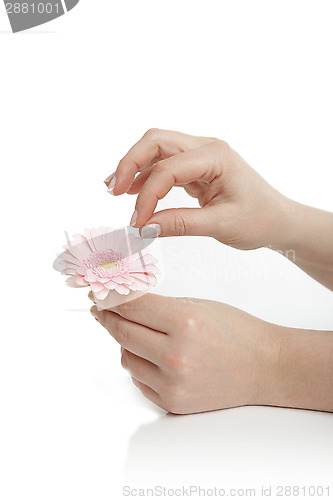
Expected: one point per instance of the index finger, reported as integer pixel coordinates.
(151, 310)
(138, 339)
(182, 169)
(155, 145)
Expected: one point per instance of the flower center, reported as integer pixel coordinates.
(108, 265)
(105, 264)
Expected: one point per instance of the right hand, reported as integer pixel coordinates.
(238, 207)
(191, 355)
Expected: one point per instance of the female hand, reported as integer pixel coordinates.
(190, 355)
(238, 207)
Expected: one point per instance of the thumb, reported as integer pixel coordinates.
(181, 222)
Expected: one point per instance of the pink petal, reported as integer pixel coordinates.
(122, 289)
(118, 279)
(131, 245)
(96, 287)
(110, 285)
(152, 280)
(81, 281)
(80, 241)
(97, 240)
(102, 294)
(90, 239)
(139, 285)
(90, 276)
(68, 257)
(150, 259)
(140, 276)
(72, 282)
(123, 279)
(69, 271)
(138, 268)
(152, 269)
(103, 280)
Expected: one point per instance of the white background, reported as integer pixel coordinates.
(75, 94)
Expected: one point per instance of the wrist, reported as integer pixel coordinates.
(301, 375)
(265, 365)
(286, 226)
(304, 234)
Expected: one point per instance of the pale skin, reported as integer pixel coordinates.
(189, 355)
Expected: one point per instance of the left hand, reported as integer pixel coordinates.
(190, 355)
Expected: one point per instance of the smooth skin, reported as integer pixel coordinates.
(190, 355)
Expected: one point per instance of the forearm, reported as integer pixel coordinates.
(307, 239)
(302, 374)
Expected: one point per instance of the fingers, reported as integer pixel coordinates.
(148, 392)
(142, 370)
(155, 145)
(153, 311)
(181, 169)
(183, 222)
(196, 189)
(139, 181)
(138, 339)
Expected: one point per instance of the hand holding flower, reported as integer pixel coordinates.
(190, 355)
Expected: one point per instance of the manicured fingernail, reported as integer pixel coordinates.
(150, 231)
(94, 312)
(112, 185)
(134, 217)
(135, 382)
(107, 180)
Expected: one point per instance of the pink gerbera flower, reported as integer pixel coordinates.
(107, 259)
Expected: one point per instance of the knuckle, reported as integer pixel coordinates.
(177, 362)
(163, 165)
(152, 134)
(178, 224)
(162, 168)
(189, 322)
(221, 145)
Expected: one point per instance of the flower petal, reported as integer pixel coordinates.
(102, 294)
(140, 276)
(110, 285)
(140, 285)
(72, 282)
(69, 271)
(122, 289)
(152, 279)
(117, 279)
(96, 287)
(90, 276)
(81, 281)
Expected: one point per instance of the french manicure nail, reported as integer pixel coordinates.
(93, 312)
(107, 180)
(134, 217)
(112, 185)
(150, 231)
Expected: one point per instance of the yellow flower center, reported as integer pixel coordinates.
(109, 265)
